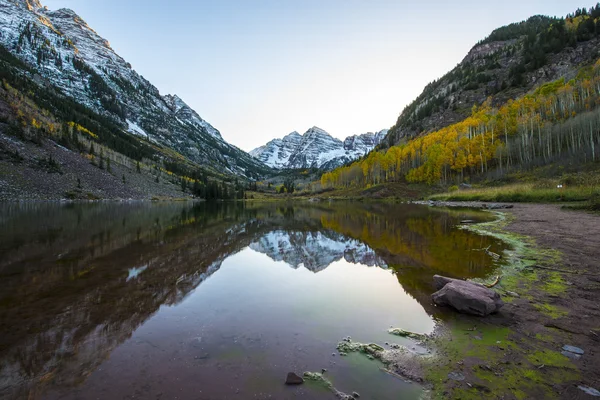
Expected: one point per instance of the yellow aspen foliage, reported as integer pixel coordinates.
(520, 131)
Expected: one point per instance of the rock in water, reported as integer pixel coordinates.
(466, 297)
(293, 379)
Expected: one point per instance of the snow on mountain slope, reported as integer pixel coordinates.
(315, 250)
(277, 152)
(64, 52)
(315, 149)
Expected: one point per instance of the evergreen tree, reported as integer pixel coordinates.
(101, 159)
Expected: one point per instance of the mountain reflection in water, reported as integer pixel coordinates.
(78, 280)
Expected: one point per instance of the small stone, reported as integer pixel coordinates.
(573, 349)
(456, 376)
(590, 390)
(333, 354)
(355, 395)
(512, 294)
(293, 379)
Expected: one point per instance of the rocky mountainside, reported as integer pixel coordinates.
(315, 149)
(510, 62)
(315, 251)
(62, 54)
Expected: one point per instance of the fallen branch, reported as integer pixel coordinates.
(562, 328)
(489, 252)
(564, 270)
(487, 285)
(494, 255)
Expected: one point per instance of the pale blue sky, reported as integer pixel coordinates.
(260, 69)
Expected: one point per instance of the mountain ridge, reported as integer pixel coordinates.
(316, 148)
(64, 51)
(510, 62)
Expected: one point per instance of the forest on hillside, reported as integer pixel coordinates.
(560, 120)
(520, 51)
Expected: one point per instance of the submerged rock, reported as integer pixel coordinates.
(467, 297)
(293, 379)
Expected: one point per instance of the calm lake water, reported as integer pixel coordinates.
(201, 301)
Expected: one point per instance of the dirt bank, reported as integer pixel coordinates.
(551, 286)
(576, 235)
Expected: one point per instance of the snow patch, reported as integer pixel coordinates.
(135, 129)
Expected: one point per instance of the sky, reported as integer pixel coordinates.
(260, 69)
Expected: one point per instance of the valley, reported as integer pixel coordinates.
(144, 255)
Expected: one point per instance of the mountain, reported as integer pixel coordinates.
(509, 63)
(65, 68)
(315, 250)
(315, 149)
(525, 102)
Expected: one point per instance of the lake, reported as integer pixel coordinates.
(219, 301)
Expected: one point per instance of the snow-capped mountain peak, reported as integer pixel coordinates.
(292, 137)
(316, 148)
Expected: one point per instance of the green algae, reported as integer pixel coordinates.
(551, 311)
(554, 283)
(348, 346)
(406, 334)
(318, 381)
(550, 358)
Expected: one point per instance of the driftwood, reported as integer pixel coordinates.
(488, 285)
(487, 250)
(491, 253)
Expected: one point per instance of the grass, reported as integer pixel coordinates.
(523, 192)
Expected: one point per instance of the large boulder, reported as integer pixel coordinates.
(467, 297)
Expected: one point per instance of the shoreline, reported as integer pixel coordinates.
(517, 353)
